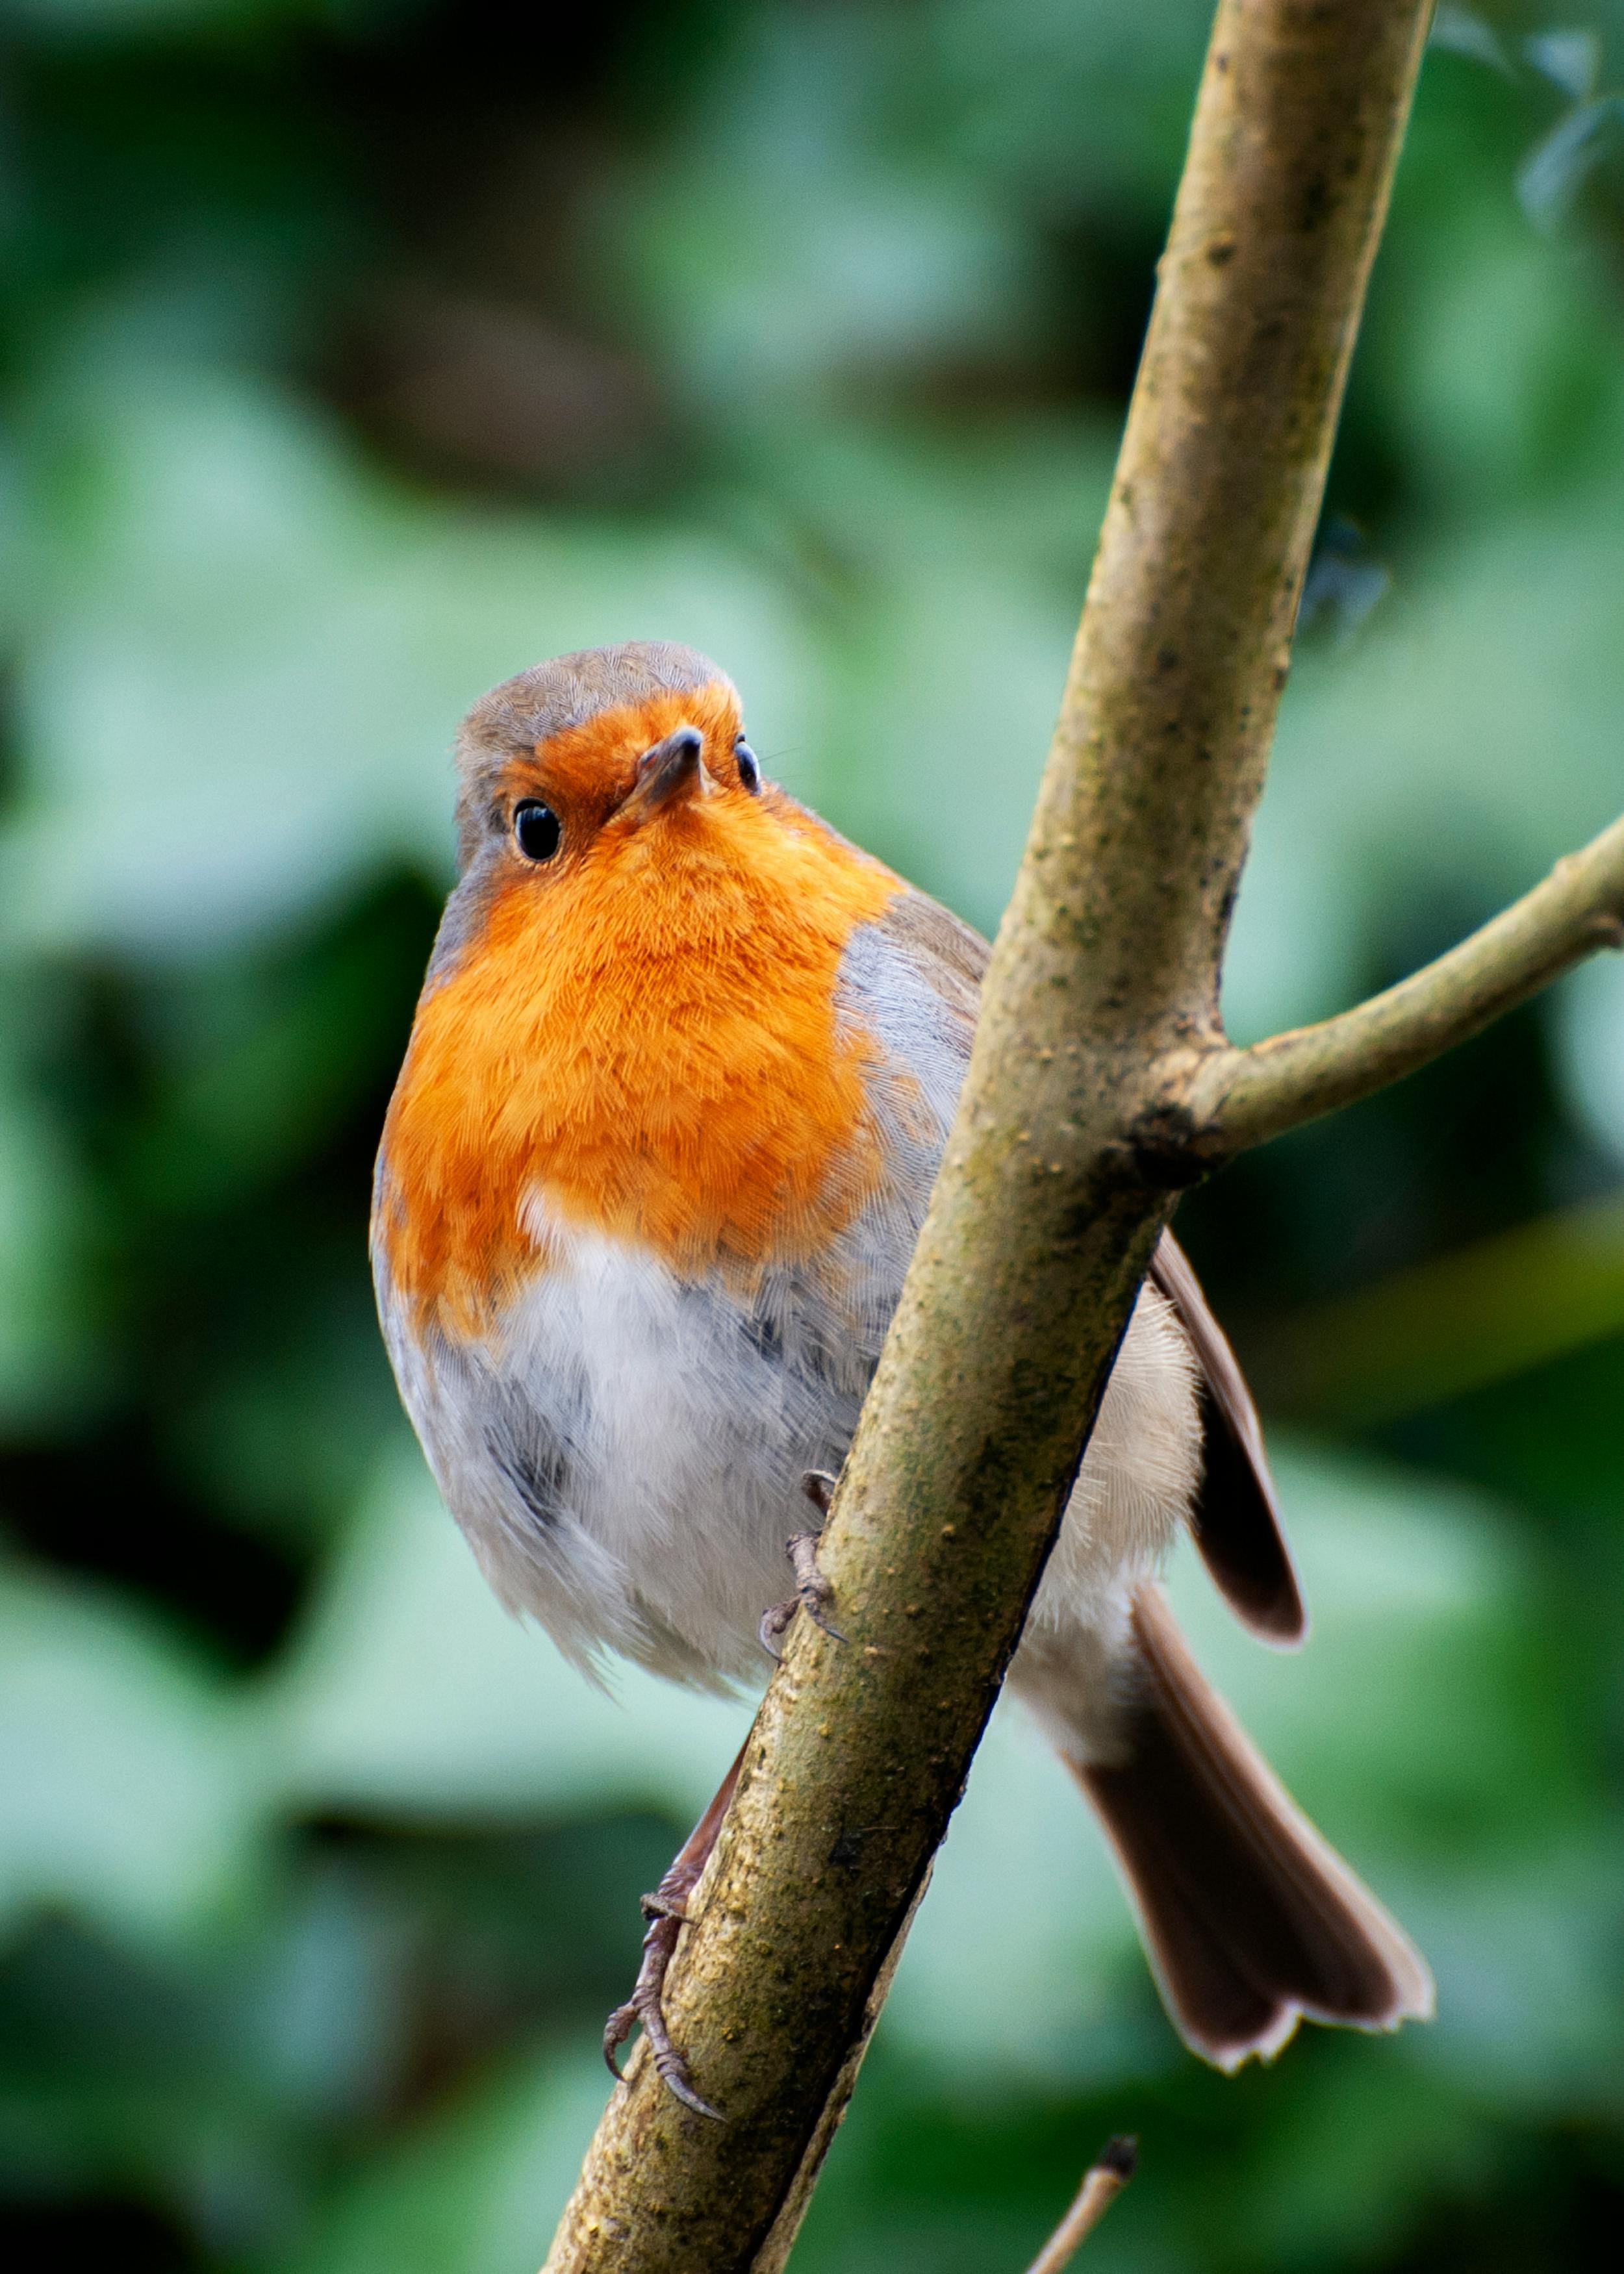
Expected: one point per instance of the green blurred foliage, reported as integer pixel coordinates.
(358, 352)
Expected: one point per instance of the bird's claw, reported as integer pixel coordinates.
(774, 1627)
(644, 2007)
(812, 1592)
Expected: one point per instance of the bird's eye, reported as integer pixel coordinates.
(749, 765)
(536, 830)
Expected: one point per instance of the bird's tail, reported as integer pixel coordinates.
(1250, 1920)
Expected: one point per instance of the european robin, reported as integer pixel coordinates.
(679, 1080)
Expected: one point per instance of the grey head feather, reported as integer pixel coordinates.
(529, 709)
(551, 697)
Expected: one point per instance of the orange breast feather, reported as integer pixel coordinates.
(651, 1043)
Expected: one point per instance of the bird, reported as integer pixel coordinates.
(681, 1074)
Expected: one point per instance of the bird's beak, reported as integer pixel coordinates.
(673, 769)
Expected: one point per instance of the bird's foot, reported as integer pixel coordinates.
(666, 1911)
(812, 1594)
(646, 2007)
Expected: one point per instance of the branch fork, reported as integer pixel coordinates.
(1237, 1098)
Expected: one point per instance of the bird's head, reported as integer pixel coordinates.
(635, 996)
(597, 760)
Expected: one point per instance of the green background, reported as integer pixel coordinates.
(358, 355)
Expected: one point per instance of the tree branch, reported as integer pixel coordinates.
(1048, 1206)
(1238, 1098)
(1103, 2181)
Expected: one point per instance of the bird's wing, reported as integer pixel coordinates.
(1235, 1518)
(947, 953)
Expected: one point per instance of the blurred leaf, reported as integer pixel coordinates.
(1590, 1043)
(196, 2078)
(129, 19)
(961, 561)
(1506, 371)
(1425, 1711)
(846, 303)
(258, 658)
(1471, 1319)
(1410, 1727)
(412, 1693)
(1550, 176)
(1531, 1991)
(1570, 60)
(1464, 33)
(478, 2189)
(1343, 583)
(1354, 2158)
(1472, 735)
(1019, 80)
(43, 1226)
(773, 247)
(130, 1791)
(1018, 1959)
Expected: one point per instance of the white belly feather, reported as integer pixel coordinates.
(626, 1462)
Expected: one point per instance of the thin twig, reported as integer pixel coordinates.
(1103, 2181)
(1240, 1097)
